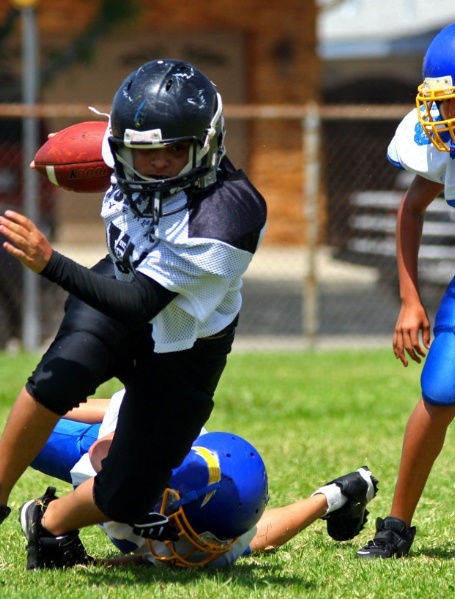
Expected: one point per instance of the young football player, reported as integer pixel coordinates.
(215, 499)
(424, 144)
(182, 226)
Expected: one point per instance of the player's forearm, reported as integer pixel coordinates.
(411, 215)
(279, 525)
(136, 302)
(409, 234)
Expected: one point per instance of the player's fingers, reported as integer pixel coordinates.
(401, 357)
(398, 349)
(398, 346)
(426, 336)
(14, 251)
(417, 337)
(18, 218)
(30, 260)
(25, 242)
(16, 224)
(412, 345)
(30, 242)
(408, 343)
(15, 233)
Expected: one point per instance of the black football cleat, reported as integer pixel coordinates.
(392, 539)
(45, 550)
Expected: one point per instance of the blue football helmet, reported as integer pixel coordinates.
(438, 85)
(164, 103)
(218, 493)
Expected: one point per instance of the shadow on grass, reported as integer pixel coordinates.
(250, 576)
(445, 552)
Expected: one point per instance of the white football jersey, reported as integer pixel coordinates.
(199, 252)
(411, 150)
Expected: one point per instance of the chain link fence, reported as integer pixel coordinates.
(339, 289)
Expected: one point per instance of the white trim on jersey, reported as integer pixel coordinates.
(412, 149)
(205, 272)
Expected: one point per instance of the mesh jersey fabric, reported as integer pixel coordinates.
(411, 150)
(199, 252)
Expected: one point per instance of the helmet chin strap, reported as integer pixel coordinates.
(192, 496)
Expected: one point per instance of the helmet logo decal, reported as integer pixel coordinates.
(213, 468)
(199, 101)
(138, 117)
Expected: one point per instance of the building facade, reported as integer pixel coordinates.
(257, 53)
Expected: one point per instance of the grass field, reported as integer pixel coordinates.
(313, 416)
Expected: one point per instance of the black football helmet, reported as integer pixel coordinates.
(163, 103)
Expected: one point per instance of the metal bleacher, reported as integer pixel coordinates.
(372, 234)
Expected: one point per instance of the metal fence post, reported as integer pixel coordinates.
(31, 329)
(310, 143)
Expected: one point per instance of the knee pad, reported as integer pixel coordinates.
(70, 371)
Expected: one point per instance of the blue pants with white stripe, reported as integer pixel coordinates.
(68, 442)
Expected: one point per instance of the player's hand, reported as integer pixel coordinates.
(412, 333)
(25, 241)
(155, 526)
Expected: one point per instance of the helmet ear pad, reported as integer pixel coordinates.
(123, 158)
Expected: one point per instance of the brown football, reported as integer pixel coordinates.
(72, 158)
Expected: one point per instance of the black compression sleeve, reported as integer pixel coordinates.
(135, 303)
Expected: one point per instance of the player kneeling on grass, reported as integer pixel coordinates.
(214, 509)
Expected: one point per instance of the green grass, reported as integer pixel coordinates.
(313, 416)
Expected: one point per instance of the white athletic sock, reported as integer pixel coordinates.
(334, 496)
